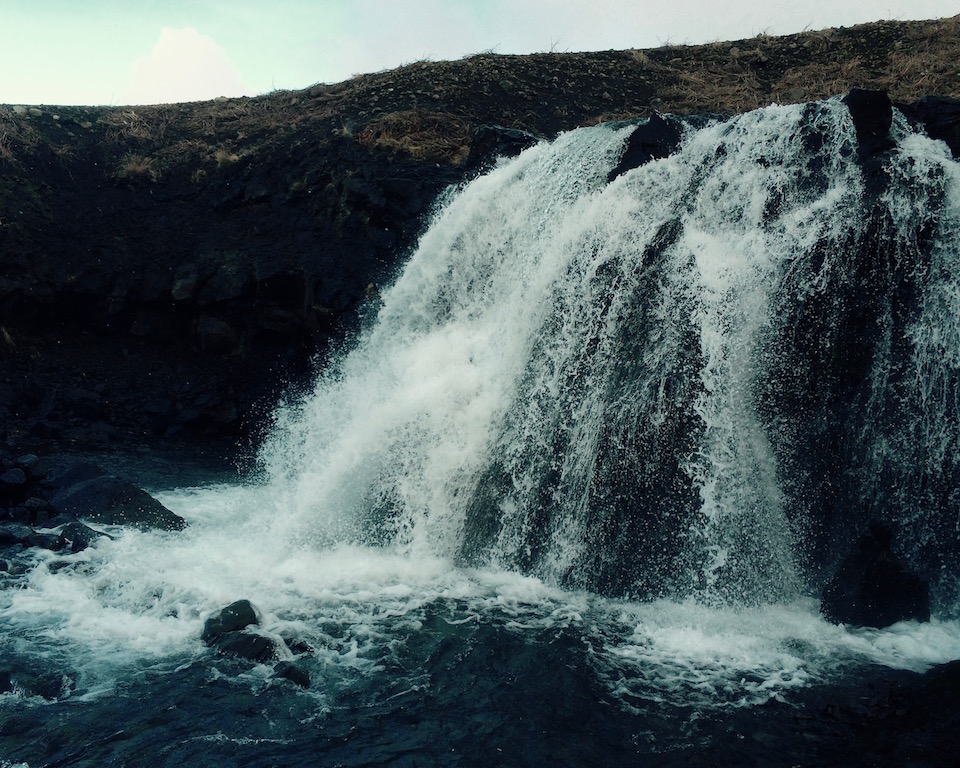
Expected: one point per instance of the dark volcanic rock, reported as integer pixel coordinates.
(233, 618)
(872, 115)
(493, 141)
(227, 632)
(290, 670)
(656, 138)
(216, 336)
(246, 645)
(872, 589)
(79, 536)
(14, 533)
(87, 492)
(33, 466)
(940, 117)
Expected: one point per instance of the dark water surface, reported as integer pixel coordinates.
(468, 694)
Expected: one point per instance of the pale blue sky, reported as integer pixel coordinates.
(150, 51)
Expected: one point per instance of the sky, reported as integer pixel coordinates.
(129, 52)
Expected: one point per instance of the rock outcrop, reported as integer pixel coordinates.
(871, 588)
(51, 510)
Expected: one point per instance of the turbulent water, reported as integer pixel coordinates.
(575, 489)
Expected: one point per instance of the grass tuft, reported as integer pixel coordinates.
(431, 136)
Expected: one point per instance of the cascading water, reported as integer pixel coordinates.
(605, 384)
(628, 426)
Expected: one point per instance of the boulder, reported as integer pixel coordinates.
(33, 466)
(13, 534)
(940, 117)
(654, 139)
(494, 141)
(18, 535)
(227, 632)
(84, 491)
(246, 645)
(78, 536)
(872, 589)
(872, 115)
(236, 616)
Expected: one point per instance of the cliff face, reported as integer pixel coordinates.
(168, 271)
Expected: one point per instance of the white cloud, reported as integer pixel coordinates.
(184, 65)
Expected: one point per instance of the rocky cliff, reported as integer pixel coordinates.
(168, 272)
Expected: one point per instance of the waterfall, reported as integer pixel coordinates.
(574, 492)
(699, 379)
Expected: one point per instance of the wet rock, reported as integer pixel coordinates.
(872, 115)
(229, 281)
(184, 284)
(940, 116)
(292, 671)
(39, 511)
(86, 492)
(493, 141)
(872, 589)
(227, 632)
(234, 617)
(76, 473)
(33, 466)
(13, 486)
(78, 536)
(13, 534)
(18, 536)
(19, 514)
(45, 540)
(657, 138)
(246, 645)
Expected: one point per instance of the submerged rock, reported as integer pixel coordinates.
(872, 589)
(290, 670)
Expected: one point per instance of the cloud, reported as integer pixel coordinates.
(184, 65)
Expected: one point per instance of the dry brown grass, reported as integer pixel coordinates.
(541, 93)
(725, 88)
(134, 167)
(224, 157)
(17, 136)
(821, 81)
(431, 136)
(129, 124)
(926, 61)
